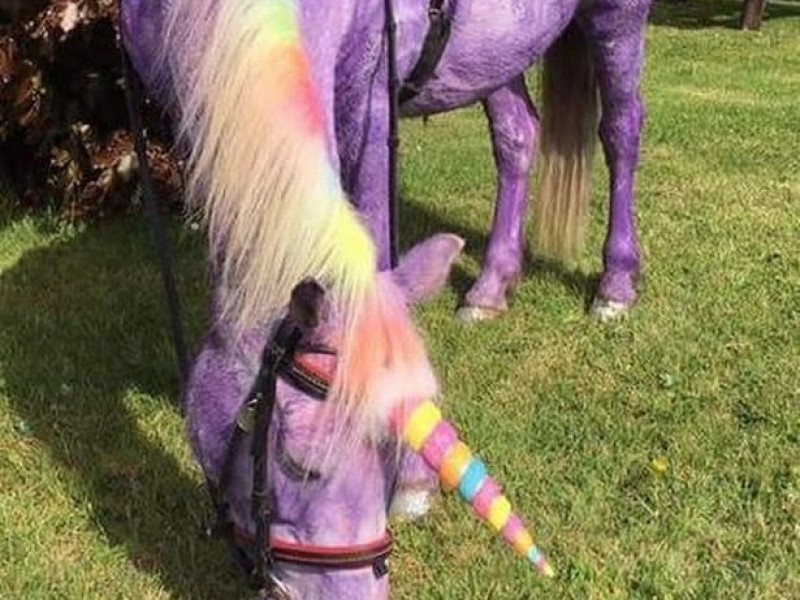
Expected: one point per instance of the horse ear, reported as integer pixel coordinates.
(307, 305)
(423, 270)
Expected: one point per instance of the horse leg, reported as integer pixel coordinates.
(616, 34)
(514, 125)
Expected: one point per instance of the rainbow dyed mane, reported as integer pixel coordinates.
(261, 178)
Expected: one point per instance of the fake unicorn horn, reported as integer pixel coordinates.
(425, 432)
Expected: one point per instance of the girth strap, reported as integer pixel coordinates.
(432, 50)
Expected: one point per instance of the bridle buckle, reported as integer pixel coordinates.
(274, 589)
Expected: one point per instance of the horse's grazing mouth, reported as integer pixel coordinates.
(308, 369)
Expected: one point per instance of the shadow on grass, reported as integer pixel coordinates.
(84, 325)
(419, 222)
(702, 14)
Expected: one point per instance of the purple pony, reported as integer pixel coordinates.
(584, 45)
(281, 108)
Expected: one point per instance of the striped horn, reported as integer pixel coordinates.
(427, 433)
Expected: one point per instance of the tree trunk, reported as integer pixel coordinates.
(752, 13)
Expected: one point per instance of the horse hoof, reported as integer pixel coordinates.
(475, 314)
(411, 504)
(609, 310)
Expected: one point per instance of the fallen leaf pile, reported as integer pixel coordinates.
(64, 138)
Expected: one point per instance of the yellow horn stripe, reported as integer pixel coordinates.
(499, 512)
(421, 424)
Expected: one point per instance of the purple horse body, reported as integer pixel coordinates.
(586, 45)
(491, 45)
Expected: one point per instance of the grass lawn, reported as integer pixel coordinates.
(655, 458)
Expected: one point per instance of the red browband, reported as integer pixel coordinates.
(305, 362)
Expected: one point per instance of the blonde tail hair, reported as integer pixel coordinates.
(568, 134)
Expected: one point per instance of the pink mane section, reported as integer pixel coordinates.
(384, 361)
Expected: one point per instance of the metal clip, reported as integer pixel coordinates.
(246, 419)
(274, 589)
(380, 568)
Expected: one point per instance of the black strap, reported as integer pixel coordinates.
(393, 139)
(255, 416)
(134, 100)
(275, 355)
(432, 50)
(302, 379)
(221, 526)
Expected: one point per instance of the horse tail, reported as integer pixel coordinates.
(568, 134)
(261, 177)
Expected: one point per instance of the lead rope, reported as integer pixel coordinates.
(393, 140)
(275, 356)
(134, 101)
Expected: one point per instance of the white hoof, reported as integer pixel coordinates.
(411, 504)
(475, 314)
(609, 310)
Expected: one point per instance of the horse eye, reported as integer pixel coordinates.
(295, 470)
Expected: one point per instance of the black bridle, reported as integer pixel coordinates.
(257, 555)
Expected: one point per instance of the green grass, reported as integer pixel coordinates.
(100, 498)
